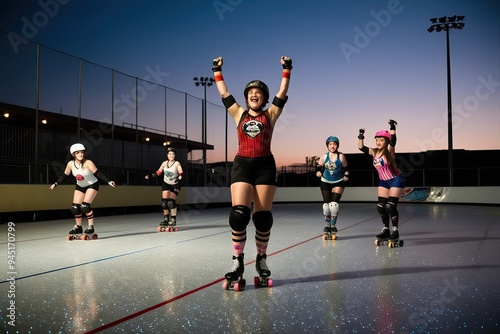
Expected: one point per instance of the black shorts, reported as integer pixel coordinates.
(325, 186)
(94, 186)
(261, 170)
(175, 188)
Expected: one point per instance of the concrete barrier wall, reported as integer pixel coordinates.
(16, 198)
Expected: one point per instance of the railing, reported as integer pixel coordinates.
(157, 131)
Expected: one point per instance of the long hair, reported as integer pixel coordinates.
(391, 157)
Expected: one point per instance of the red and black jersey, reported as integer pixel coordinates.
(254, 135)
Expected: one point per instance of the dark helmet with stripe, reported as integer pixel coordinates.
(257, 84)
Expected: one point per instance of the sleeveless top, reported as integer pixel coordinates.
(333, 170)
(254, 135)
(170, 173)
(84, 176)
(385, 170)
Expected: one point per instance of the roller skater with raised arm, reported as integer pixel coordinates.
(391, 182)
(253, 175)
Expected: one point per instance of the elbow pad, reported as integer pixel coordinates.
(393, 140)
(365, 150)
(228, 101)
(280, 103)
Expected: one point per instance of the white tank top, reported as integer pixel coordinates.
(170, 173)
(84, 177)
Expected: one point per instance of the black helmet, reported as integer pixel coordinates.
(257, 84)
(171, 149)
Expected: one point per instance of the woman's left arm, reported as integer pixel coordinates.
(280, 99)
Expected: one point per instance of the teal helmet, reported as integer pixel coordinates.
(334, 139)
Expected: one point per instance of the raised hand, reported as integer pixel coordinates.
(286, 62)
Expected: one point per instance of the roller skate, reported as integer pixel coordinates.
(234, 279)
(394, 240)
(263, 271)
(166, 225)
(77, 229)
(330, 233)
(77, 233)
(382, 237)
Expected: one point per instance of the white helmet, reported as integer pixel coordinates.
(76, 147)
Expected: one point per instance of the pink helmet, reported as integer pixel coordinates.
(383, 133)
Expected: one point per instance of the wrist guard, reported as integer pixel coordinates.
(345, 171)
(61, 179)
(216, 67)
(392, 124)
(361, 134)
(101, 176)
(319, 168)
(288, 64)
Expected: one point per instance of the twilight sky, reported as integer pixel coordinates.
(356, 63)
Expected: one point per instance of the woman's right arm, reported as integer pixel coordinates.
(157, 173)
(232, 107)
(63, 176)
(361, 143)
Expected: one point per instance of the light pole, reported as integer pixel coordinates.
(205, 82)
(447, 23)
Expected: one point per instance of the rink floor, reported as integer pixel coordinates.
(132, 279)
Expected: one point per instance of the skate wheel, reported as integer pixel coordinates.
(270, 282)
(84, 237)
(401, 243)
(391, 244)
(94, 237)
(159, 228)
(68, 237)
(236, 286)
(225, 285)
(176, 229)
(334, 237)
(256, 281)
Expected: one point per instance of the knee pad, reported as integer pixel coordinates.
(381, 208)
(171, 203)
(75, 209)
(164, 204)
(334, 208)
(239, 217)
(382, 201)
(85, 207)
(326, 210)
(263, 221)
(390, 206)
